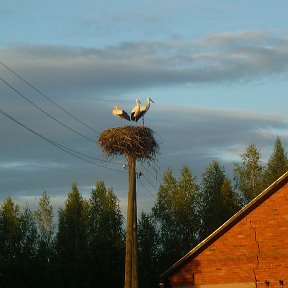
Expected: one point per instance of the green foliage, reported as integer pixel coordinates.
(10, 229)
(175, 213)
(248, 175)
(214, 191)
(29, 235)
(18, 245)
(106, 238)
(28, 246)
(277, 164)
(71, 239)
(44, 219)
(45, 252)
(148, 251)
(229, 200)
(10, 249)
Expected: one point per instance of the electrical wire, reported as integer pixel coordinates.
(62, 109)
(147, 190)
(78, 133)
(152, 175)
(68, 150)
(47, 98)
(149, 182)
(46, 113)
(60, 146)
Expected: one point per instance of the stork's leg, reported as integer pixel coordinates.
(143, 121)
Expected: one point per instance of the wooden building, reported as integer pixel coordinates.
(249, 250)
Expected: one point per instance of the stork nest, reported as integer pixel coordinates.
(134, 141)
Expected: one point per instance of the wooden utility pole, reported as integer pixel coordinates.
(131, 261)
(134, 248)
(135, 143)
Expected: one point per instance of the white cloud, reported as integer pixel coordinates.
(228, 39)
(224, 57)
(31, 165)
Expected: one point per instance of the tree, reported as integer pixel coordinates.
(277, 164)
(106, 238)
(45, 227)
(176, 216)
(71, 240)
(148, 251)
(28, 253)
(249, 174)
(18, 246)
(229, 201)
(218, 200)
(10, 247)
(44, 219)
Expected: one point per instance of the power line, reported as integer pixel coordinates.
(149, 182)
(61, 108)
(60, 146)
(138, 178)
(147, 190)
(71, 129)
(152, 175)
(47, 98)
(46, 113)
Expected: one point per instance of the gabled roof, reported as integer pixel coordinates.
(228, 224)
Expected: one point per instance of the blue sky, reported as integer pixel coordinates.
(216, 70)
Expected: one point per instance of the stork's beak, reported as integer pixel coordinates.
(152, 100)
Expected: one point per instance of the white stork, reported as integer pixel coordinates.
(120, 113)
(144, 109)
(136, 111)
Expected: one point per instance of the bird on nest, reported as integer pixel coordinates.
(120, 113)
(136, 111)
(142, 110)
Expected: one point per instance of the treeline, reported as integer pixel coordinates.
(87, 248)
